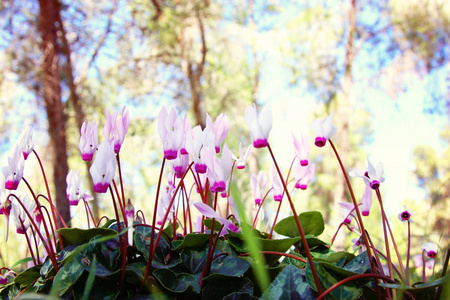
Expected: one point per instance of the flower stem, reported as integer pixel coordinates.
(408, 254)
(274, 221)
(358, 213)
(48, 192)
(299, 225)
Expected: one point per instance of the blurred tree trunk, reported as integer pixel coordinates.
(75, 100)
(343, 114)
(48, 18)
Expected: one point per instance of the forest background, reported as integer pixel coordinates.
(382, 67)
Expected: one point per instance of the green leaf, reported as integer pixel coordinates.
(219, 289)
(21, 261)
(359, 264)
(177, 282)
(195, 259)
(348, 291)
(289, 284)
(230, 266)
(193, 240)
(28, 276)
(208, 223)
(312, 224)
(66, 277)
(70, 236)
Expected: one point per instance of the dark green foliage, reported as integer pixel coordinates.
(90, 267)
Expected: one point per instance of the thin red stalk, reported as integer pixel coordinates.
(49, 220)
(275, 220)
(423, 266)
(117, 216)
(386, 238)
(47, 245)
(408, 254)
(122, 208)
(87, 214)
(354, 277)
(399, 258)
(155, 210)
(38, 205)
(377, 259)
(259, 208)
(358, 213)
(393, 266)
(299, 226)
(90, 212)
(188, 206)
(121, 181)
(28, 241)
(35, 245)
(48, 193)
(153, 250)
(56, 211)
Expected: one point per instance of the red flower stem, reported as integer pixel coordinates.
(56, 211)
(279, 253)
(377, 258)
(392, 236)
(35, 245)
(423, 266)
(259, 208)
(87, 213)
(354, 277)
(386, 242)
(48, 193)
(38, 205)
(47, 244)
(408, 254)
(358, 213)
(122, 208)
(299, 226)
(28, 241)
(274, 220)
(117, 217)
(90, 212)
(393, 266)
(121, 181)
(188, 206)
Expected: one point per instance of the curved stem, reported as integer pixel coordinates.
(299, 226)
(358, 213)
(38, 205)
(354, 277)
(48, 191)
(274, 221)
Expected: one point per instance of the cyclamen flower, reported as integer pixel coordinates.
(259, 126)
(366, 201)
(129, 215)
(208, 212)
(405, 215)
(20, 217)
(373, 177)
(240, 161)
(277, 185)
(301, 148)
(116, 128)
(26, 141)
(196, 142)
(180, 164)
(104, 167)
(187, 131)
(4, 277)
(418, 262)
(347, 209)
(324, 130)
(163, 204)
(218, 170)
(75, 191)
(258, 182)
(430, 249)
(219, 128)
(14, 171)
(88, 140)
(358, 245)
(303, 175)
(171, 131)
